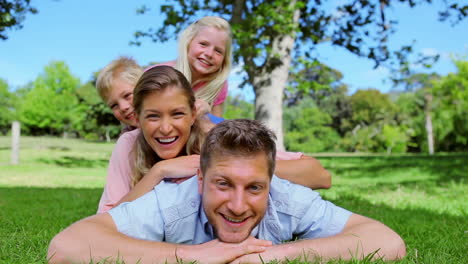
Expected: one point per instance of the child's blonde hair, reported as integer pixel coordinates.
(216, 80)
(125, 68)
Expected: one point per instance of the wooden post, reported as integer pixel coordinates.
(15, 142)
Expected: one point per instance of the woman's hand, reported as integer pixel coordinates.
(178, 168)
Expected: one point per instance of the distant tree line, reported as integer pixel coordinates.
(57, 103)
(320, 116)
(429, 111)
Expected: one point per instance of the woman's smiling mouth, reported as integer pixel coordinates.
(167, 140)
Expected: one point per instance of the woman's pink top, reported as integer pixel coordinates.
(220, 98)
(119, 172)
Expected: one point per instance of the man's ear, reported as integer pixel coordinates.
(200, 181)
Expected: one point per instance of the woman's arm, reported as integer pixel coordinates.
(306, 171)
(180, 167)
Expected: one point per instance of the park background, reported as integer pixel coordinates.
(370, 132)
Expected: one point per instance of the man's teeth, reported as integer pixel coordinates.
(167, 140)
(234, 220)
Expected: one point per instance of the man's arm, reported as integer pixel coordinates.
(306, 171)
(96, 238)
(360, 237)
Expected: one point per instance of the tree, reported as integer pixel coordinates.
(423, 84)
(268, 34)
(308, 129)
(97, 120)
(51, 105)
(236, 107)
(371, 111)
(12, 14)
(6, 107)
(451, 130)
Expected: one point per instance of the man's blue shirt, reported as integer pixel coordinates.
(173, 213)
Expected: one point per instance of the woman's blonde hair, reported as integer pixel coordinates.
(157, 80)
(124, 68)
(216, 80)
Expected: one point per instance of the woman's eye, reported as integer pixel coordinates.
(128, 95)
(152, 116)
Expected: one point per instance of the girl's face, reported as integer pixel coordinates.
(206, 52)
(120, 100)
(166, 119)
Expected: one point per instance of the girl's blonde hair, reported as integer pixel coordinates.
(216, 80)
(124, 68)
(157, 80)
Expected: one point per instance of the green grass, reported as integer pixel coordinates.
(60, 181)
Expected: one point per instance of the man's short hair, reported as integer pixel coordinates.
(238, 138)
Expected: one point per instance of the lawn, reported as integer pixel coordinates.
(60, 181)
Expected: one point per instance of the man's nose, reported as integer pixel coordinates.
(238, 203)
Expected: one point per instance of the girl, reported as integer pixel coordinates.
(167, 143)
(205, 60)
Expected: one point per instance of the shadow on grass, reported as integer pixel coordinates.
(32, 216)
(74, 162)
(450, 167)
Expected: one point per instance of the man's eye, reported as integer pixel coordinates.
(113, 106)
(222, 184)
(255, 188)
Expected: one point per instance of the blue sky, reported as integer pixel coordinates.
(89, 34)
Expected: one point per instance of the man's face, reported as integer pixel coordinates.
(235, 195)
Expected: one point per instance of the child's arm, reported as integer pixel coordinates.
(306, 171)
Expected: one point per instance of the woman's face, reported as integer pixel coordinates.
(166, 119)
(206, 52)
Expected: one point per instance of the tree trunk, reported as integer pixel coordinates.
(270, 83)
(427, 115)
(108, 135)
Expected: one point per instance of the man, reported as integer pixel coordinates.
(240, 214)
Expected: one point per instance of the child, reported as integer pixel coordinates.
(115, 85)
(205, 60)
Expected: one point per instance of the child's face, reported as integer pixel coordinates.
(120, 101)
(206, 52)
(166, 120)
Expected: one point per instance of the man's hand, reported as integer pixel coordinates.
(270, 253)
(216, 251)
